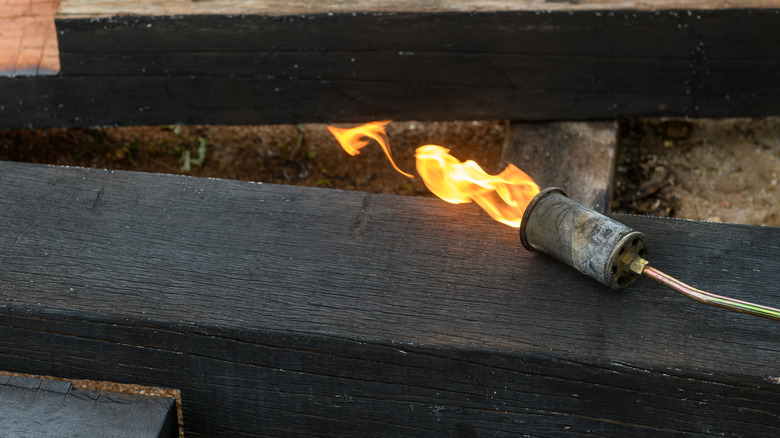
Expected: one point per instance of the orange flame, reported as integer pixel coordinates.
(504, 196)
(353, 140)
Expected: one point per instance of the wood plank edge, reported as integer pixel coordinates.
(93, 9)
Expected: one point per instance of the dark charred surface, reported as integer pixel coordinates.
(291, 311)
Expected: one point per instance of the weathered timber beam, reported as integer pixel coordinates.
(31, 407)
(288, 311)
(176, 62)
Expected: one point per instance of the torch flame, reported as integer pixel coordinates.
(504, 196)
(353, 139)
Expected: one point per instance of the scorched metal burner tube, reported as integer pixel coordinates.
(604, 249)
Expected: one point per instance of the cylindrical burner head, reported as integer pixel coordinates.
(588, 241)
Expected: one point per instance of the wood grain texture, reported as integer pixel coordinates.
(579, 157)
(104, 8)
(352, 67)
(288, 311)
(31, 407)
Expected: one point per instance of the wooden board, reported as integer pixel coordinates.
(579, 157)
(430, 65)
(28, 40)
(105, 8)
(289, 311)
(31, 407)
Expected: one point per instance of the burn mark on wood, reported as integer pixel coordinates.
(98, 197)
(364, 216)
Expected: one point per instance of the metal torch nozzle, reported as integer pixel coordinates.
(604, 249)
(586, 240)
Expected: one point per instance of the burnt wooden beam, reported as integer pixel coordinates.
(579, 157)
(150, 62)
(32, 407)
(290, 311)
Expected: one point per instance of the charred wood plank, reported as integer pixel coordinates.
(289, 311)
(210, 62)
(31, 407)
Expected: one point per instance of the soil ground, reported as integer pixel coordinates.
(717, 170)
(285, 154)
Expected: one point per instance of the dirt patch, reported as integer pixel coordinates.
(715, 170)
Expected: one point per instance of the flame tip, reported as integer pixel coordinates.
(352, 140)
